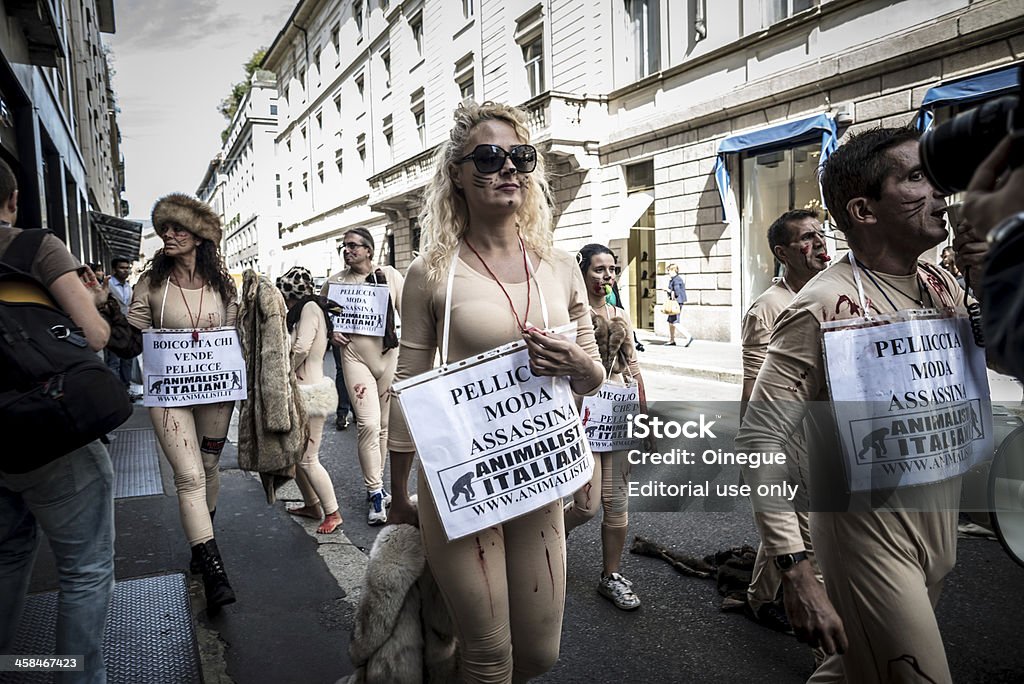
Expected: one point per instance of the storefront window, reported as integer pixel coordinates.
(773, 182)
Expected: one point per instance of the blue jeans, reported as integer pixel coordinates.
(71, 499)
(122, 367)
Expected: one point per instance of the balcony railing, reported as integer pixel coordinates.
(407, 176)
(566, 118)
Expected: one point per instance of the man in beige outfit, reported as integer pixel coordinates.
(883, 569)
(796, 240)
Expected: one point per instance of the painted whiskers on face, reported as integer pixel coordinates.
(914, 207)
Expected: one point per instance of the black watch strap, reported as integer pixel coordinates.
(786, 561)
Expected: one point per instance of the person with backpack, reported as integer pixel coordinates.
(186, 287)
(67, 491)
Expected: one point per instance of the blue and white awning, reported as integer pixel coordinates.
(779, 135)
(980, 87)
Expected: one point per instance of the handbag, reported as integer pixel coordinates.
(670, 307)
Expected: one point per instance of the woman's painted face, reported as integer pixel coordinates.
(500, 192)
(601, 272)
(179, 241)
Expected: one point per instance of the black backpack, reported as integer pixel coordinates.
(56, 394)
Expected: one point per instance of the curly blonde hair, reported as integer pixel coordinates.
(445, 216)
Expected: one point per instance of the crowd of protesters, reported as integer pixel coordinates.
(859, 585)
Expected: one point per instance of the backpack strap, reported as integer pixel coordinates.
(21, 253)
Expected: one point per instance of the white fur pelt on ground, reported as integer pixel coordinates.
(403, 633)
(321, 398)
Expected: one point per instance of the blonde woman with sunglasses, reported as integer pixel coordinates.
(487, 217)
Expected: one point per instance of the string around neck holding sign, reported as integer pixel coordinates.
(526, 269)
(199, 312)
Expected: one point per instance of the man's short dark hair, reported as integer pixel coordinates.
(859, 168)
(8, 181)
(779, 231)
(118, 260)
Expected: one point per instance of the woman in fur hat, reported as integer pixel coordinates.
(309, 324)
(369, 364)
(608, 486)
(489, 227)
(186, 287)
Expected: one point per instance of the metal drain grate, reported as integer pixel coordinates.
(136, 466)
(149, 637)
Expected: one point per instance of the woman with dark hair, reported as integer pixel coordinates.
(186, 287)
(369, 365)
(490, 272)
(309, 324)
(608, 486)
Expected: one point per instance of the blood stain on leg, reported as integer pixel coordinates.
(551, 572)
(483, 569)
(360, 391)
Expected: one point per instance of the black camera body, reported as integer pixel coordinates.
(952, 152)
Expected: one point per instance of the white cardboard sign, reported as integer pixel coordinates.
(181, 371)
(364, 308)
(494, 441)
(911, 399)
(606, 417)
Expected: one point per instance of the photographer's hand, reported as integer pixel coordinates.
(988, 200)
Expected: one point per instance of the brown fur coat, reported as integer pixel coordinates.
(272, 426)
(614, 341)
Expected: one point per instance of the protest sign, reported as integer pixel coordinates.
(181, 371)
(910, 396)
(364, 308)
(494, 441)
(606, 417)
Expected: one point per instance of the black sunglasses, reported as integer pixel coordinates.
(491, 158)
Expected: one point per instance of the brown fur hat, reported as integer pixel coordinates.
(188, 212)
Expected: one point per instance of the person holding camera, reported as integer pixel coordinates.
(990, 249)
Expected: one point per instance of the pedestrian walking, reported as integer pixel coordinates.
(121, 290)
(185, 286)
(883, 569)
(674, 306)
(797, 242)
(309, 324)
(608, 486)
(490, 236)
(368, 362)
(69, 497)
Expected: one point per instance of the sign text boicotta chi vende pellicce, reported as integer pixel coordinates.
(911, 399)
(494, 440)
(364, 308)
(181, 371)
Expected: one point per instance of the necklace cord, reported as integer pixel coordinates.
(503, 290)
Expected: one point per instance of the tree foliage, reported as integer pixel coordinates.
(229, 105)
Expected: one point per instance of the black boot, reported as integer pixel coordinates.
(215, 579)
(195, 566)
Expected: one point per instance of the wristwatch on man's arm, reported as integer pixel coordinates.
(787, 561)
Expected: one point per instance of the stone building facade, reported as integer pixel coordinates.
(58, 125)
(242, 181)
(675, 131)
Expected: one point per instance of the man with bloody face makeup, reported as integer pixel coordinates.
(883, 570)
(796, 240)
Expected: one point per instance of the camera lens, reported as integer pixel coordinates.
(951, 153)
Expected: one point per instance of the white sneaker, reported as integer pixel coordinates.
(387, 498)
(619, 591)
(378, 513)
